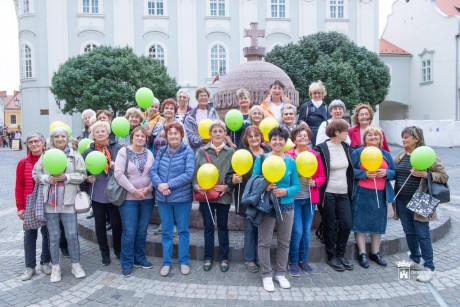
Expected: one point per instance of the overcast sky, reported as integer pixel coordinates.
(9, 53)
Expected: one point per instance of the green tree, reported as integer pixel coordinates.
(350, 73)
(107, 78)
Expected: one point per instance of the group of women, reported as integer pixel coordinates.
(159, 160)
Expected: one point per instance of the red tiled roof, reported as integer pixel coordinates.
(10, 104)
(449, 7)
(386, 47)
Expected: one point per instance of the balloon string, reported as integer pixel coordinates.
(238, 199)
(55, 198)
(210, 211)
(376, 194)
(312, 209)
(401, 188)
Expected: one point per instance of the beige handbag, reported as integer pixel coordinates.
(82, 201)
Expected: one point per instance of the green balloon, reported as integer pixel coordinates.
(83, 145)
(120, 126)
(54, 161)
(144, 97)
(234, 120)
(422, 158)
(95, 162)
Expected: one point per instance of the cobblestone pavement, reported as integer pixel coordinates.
(103, 286)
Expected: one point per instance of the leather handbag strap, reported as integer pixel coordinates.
(126, 164)
(207, 156)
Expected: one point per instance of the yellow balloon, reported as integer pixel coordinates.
(371, 158)
(55, 124)
(306, 164)
(207, 176)
(289, 145)
(273, 168)
(242, 161)
(266, 125)
(203, 128)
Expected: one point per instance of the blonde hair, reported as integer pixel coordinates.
(359, 106)
(373, 129)
(317, 86)
(100, 123)
(254, 109)
(134, 111)
(202, 89)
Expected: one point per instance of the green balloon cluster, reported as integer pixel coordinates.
(120, 127)
(54, 161)
(234, 120)
(422, 158)
(144, 97)
(95, 162)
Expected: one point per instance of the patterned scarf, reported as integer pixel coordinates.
(217, 149)
(106, 152)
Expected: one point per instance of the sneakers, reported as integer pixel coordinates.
(55, 273)
(426, 276)
(284, 283)
(127, 272)
(46, 268)
(145, 265)
(28, 273)
(268, 284)
(416, 266)
(306, 268)
(294, 270)
(184, 269)
(158, 230)
(77, 270)
(165, 270)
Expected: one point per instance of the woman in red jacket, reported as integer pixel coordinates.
(24, 186)
(362, 118)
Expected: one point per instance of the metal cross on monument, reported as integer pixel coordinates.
(254, 34)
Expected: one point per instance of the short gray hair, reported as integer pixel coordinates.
(184, 91)
(36, 135)
(287, 107)
(88, 111)
(337, 103)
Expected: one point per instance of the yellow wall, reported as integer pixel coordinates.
(18, 119)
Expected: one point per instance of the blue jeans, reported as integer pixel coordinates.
(135, 218)
(417, 233)
(180, 212)
(300, 237)
(221, 214)
(251, 237)
(69, 221)
(30, 247)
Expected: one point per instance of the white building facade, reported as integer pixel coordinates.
(425, 82)
(194, 39)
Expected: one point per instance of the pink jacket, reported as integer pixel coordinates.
(319, 176)
(136, 180)
(355, 138)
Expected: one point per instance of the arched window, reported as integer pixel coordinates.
(218, 60)
(88, 48)
(26, 59)
(157, 52)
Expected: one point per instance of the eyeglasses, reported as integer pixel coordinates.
(34, 142)
(185, 97)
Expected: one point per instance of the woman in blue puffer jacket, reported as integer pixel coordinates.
(172, 174)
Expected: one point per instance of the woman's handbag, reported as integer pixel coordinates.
(82, 201)
(34, 216)
(422, 203)
(440, 191)
(211, 194)
(114, 192)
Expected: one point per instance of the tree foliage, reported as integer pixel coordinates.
(107, 78)
(350, 73)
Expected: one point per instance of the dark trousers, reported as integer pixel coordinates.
(336, 207)
(99, 212)
(221, 217)
(62, 240)
(30, 247)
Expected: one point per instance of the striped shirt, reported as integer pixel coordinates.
(402, 172)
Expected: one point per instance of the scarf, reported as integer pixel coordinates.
(317, 104)
(104, 149)
(217, 149)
